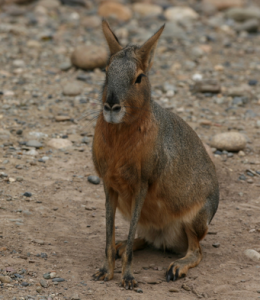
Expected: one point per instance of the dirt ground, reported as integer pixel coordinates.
(61, 226)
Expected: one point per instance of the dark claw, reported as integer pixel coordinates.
(169, 274)
(176, 276)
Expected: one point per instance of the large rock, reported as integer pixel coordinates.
(89, 57)
(240, 14)
(59, 143)
(146, 9)
(223, 4)
(252, 254)
(180, 13)
(115, 10)
(230, 141)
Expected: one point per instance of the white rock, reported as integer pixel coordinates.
(252, 254)
(180, 13)
(59, 143)
(32, 152)
(257, 125)
(230, 141)
(197, 77)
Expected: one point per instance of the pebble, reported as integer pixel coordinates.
(53, 274)
(62, 118)
(242, 14)
(59, 143)
(75, 297)
(174, 290)
(44, 283)
(139, 290)
(65, 66)
(5, 279)
(34, 144)
(186, 287)
(38, 289)
(115, 10)
(252, 82)
(252, 254)
(250, 26)
(45, 158)
(37, 241)
(24, 283)
(180, 14)
(85, 140)
(38, 135)
(46, 276)
(72, 88)
(224, 4)
(230, 141)
(93, 179)
(27, 194)
(207, 86)
(58, 279)
(91, 22)
(4, 135)
(216, 245)
(89, 57)
(31, 152)
(147, 9)
(257, 125)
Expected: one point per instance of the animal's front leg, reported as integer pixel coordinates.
(107, 270)
(128, 280)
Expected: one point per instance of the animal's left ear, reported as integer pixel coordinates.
(147, 50)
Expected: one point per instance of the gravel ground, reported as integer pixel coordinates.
(52, 225)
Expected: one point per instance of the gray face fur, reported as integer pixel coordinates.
(119, 83)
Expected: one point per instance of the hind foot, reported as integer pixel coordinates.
(121, 246)
(180, 267)
(103, 274)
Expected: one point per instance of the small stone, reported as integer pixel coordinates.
(5, 279)
(19, 132)
(37, 241)
(18, 63)
(241, 153)
(24, 283)
(33, 44)
(252, 82)
(58, 279)
(65, 66)
(27, 194)
(38, 289)
(139, 291)
(241, 14)
(147, 9)
(45, 158)
(186, 287)
(72, 88)
(91, 22)
(44, 283)
(216, 245)
(53, 274)
(174, 290)
(46, 276)
(230, 141)
(250, 26)
(207, 86)
(252, 254)
(4, 135)
(85, 140)
(115, 10)
(93, 179)
(59, 143)
(180, 14)
(224, 4)
(75, 297)
(89, 57)
(34, 144)
(62, 118)
(31, 152)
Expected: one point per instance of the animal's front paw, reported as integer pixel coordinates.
(128, 282)
(102, 274)
(176, 271)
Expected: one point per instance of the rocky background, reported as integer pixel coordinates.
(52, 225)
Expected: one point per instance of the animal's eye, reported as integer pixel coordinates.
(139, 78)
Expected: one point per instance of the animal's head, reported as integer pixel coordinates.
(127, 91)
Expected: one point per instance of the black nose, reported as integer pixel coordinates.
(114, 108)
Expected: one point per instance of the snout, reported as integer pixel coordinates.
(113, 113)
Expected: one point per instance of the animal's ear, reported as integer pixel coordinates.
(111, 38)
(147, 50)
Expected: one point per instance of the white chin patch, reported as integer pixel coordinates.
(114, 117)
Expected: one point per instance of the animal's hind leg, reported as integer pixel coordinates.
(180, 267)
(121, 246)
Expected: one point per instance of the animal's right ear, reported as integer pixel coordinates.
(111, 38)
